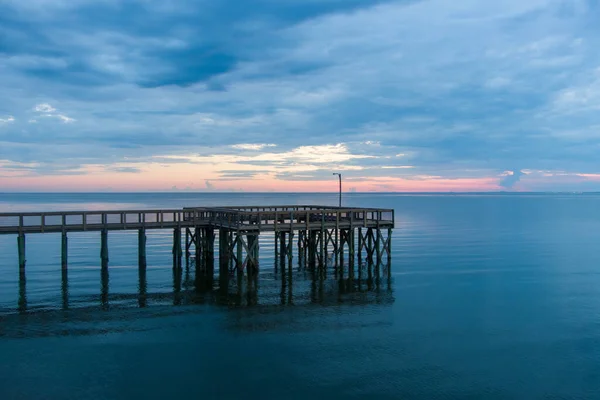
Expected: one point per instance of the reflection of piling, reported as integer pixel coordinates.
(177, 274)
(65, 288)
(64, 252)
(104, 284)
(22, 306)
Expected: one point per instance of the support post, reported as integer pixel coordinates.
(252, 266)
(177, 250)
(21, 249)
(187, 245)
(290, 244)
(389, 245)
(198, 249)
(378, 245)
(322, 238)
(239, 262)
(312, 238)
(209, 250)
(142, 247)
(104, 245)
(352, 247)
(276, 234)
(371, 246)
(282, 250)
(360, 243)
(223, 254)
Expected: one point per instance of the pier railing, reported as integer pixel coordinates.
(273, 218)
(31, 222)
(281, 218)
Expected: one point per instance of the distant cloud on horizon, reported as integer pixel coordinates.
(398, 94)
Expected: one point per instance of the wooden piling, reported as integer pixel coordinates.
(187, 245)
(142, 247)
(239, 261)
(209, 249)
(322, 237)
(290, 248)
(21, 250)
(378, 245)
(282, 250)
(360, 243)
(104, 245)
(351, 249)
(177, 250)
(223, 253)
(198, 247)
(389, 245)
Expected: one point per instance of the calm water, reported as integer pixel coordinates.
(490, 296)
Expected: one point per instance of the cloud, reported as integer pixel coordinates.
(7, 120)
(252, 146)
(65, 119)
(511, 179)
(126, 170)
(44, 108)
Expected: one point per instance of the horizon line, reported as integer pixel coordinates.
(284, 192)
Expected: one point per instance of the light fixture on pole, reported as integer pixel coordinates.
(340, 178)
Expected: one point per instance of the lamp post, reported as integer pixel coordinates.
(340, 178)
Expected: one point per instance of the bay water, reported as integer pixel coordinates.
(487, 296)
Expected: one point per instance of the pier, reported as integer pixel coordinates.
(322, 237)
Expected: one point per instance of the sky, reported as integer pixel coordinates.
(272, 95)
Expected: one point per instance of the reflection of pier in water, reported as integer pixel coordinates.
(298, 285)
(256, 304)
(348, 246)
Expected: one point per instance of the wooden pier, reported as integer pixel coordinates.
(324, 236)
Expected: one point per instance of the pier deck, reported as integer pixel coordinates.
(258, 219)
